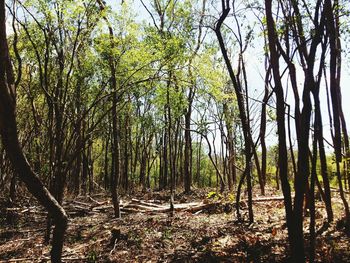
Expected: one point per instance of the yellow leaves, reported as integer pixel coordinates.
(213, 194)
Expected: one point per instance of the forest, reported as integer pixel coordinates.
(174, 131)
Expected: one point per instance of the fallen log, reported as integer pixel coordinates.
(81, 203)
(144, 207)
(266, 199)
(201, 207)
(146, 203)
(102, 208)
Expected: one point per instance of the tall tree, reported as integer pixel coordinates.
(248, 141)
(332, 25)
(115, 127)
(282, 145)
(9, 134)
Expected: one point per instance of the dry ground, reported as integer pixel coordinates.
(207, 236)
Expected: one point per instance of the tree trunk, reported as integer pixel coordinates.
(115, 163)
(248, 148)
(12, 146)
(263, 128)
(198, 162)
(312, 194)
(143, 167)
(282, 145)
(172, 160)
(127, 133)
(188, 150)
(115, 129)
(78, 162)
(106, 164)
(165, 155)
(323, 161)
(334, 69)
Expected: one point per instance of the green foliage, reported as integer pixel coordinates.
(92, 256)
(166, 233)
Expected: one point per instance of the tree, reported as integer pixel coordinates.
(332, 26)
(9, 134)
(282, 149)
(248, 141)
(312, 56)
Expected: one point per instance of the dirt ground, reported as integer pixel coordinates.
(208, 235)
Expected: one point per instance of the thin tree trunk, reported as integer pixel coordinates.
(242, 109)
(323, 160)
(106, 164)
(165, 158)
(115, 129)
(282, 146)
(334, 69)
(312, 196)
(188, 147)
(126, 154)
(198, 166)
(172, 165)
(115, 157)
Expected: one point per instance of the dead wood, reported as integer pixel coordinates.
(150, 204)
(97, 203)
(102, 208)
(145, 207)
(266, 199)
(79, 208)
(81, 203)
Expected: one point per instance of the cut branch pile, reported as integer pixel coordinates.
(78, 208)
(150, 207)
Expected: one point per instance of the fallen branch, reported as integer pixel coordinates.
(146, 203)
(139, 206)
(81, 203)
(98, 203)
(102, 208)
(266, 199)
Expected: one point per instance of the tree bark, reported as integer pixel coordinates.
(188, 147)
(9, 134)
(323, 161)
(248, 143)
(282, 145)
(115, 128)
(334, 69)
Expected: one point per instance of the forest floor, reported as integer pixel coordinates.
(209, 235)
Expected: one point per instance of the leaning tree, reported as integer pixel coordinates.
(11, 144)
